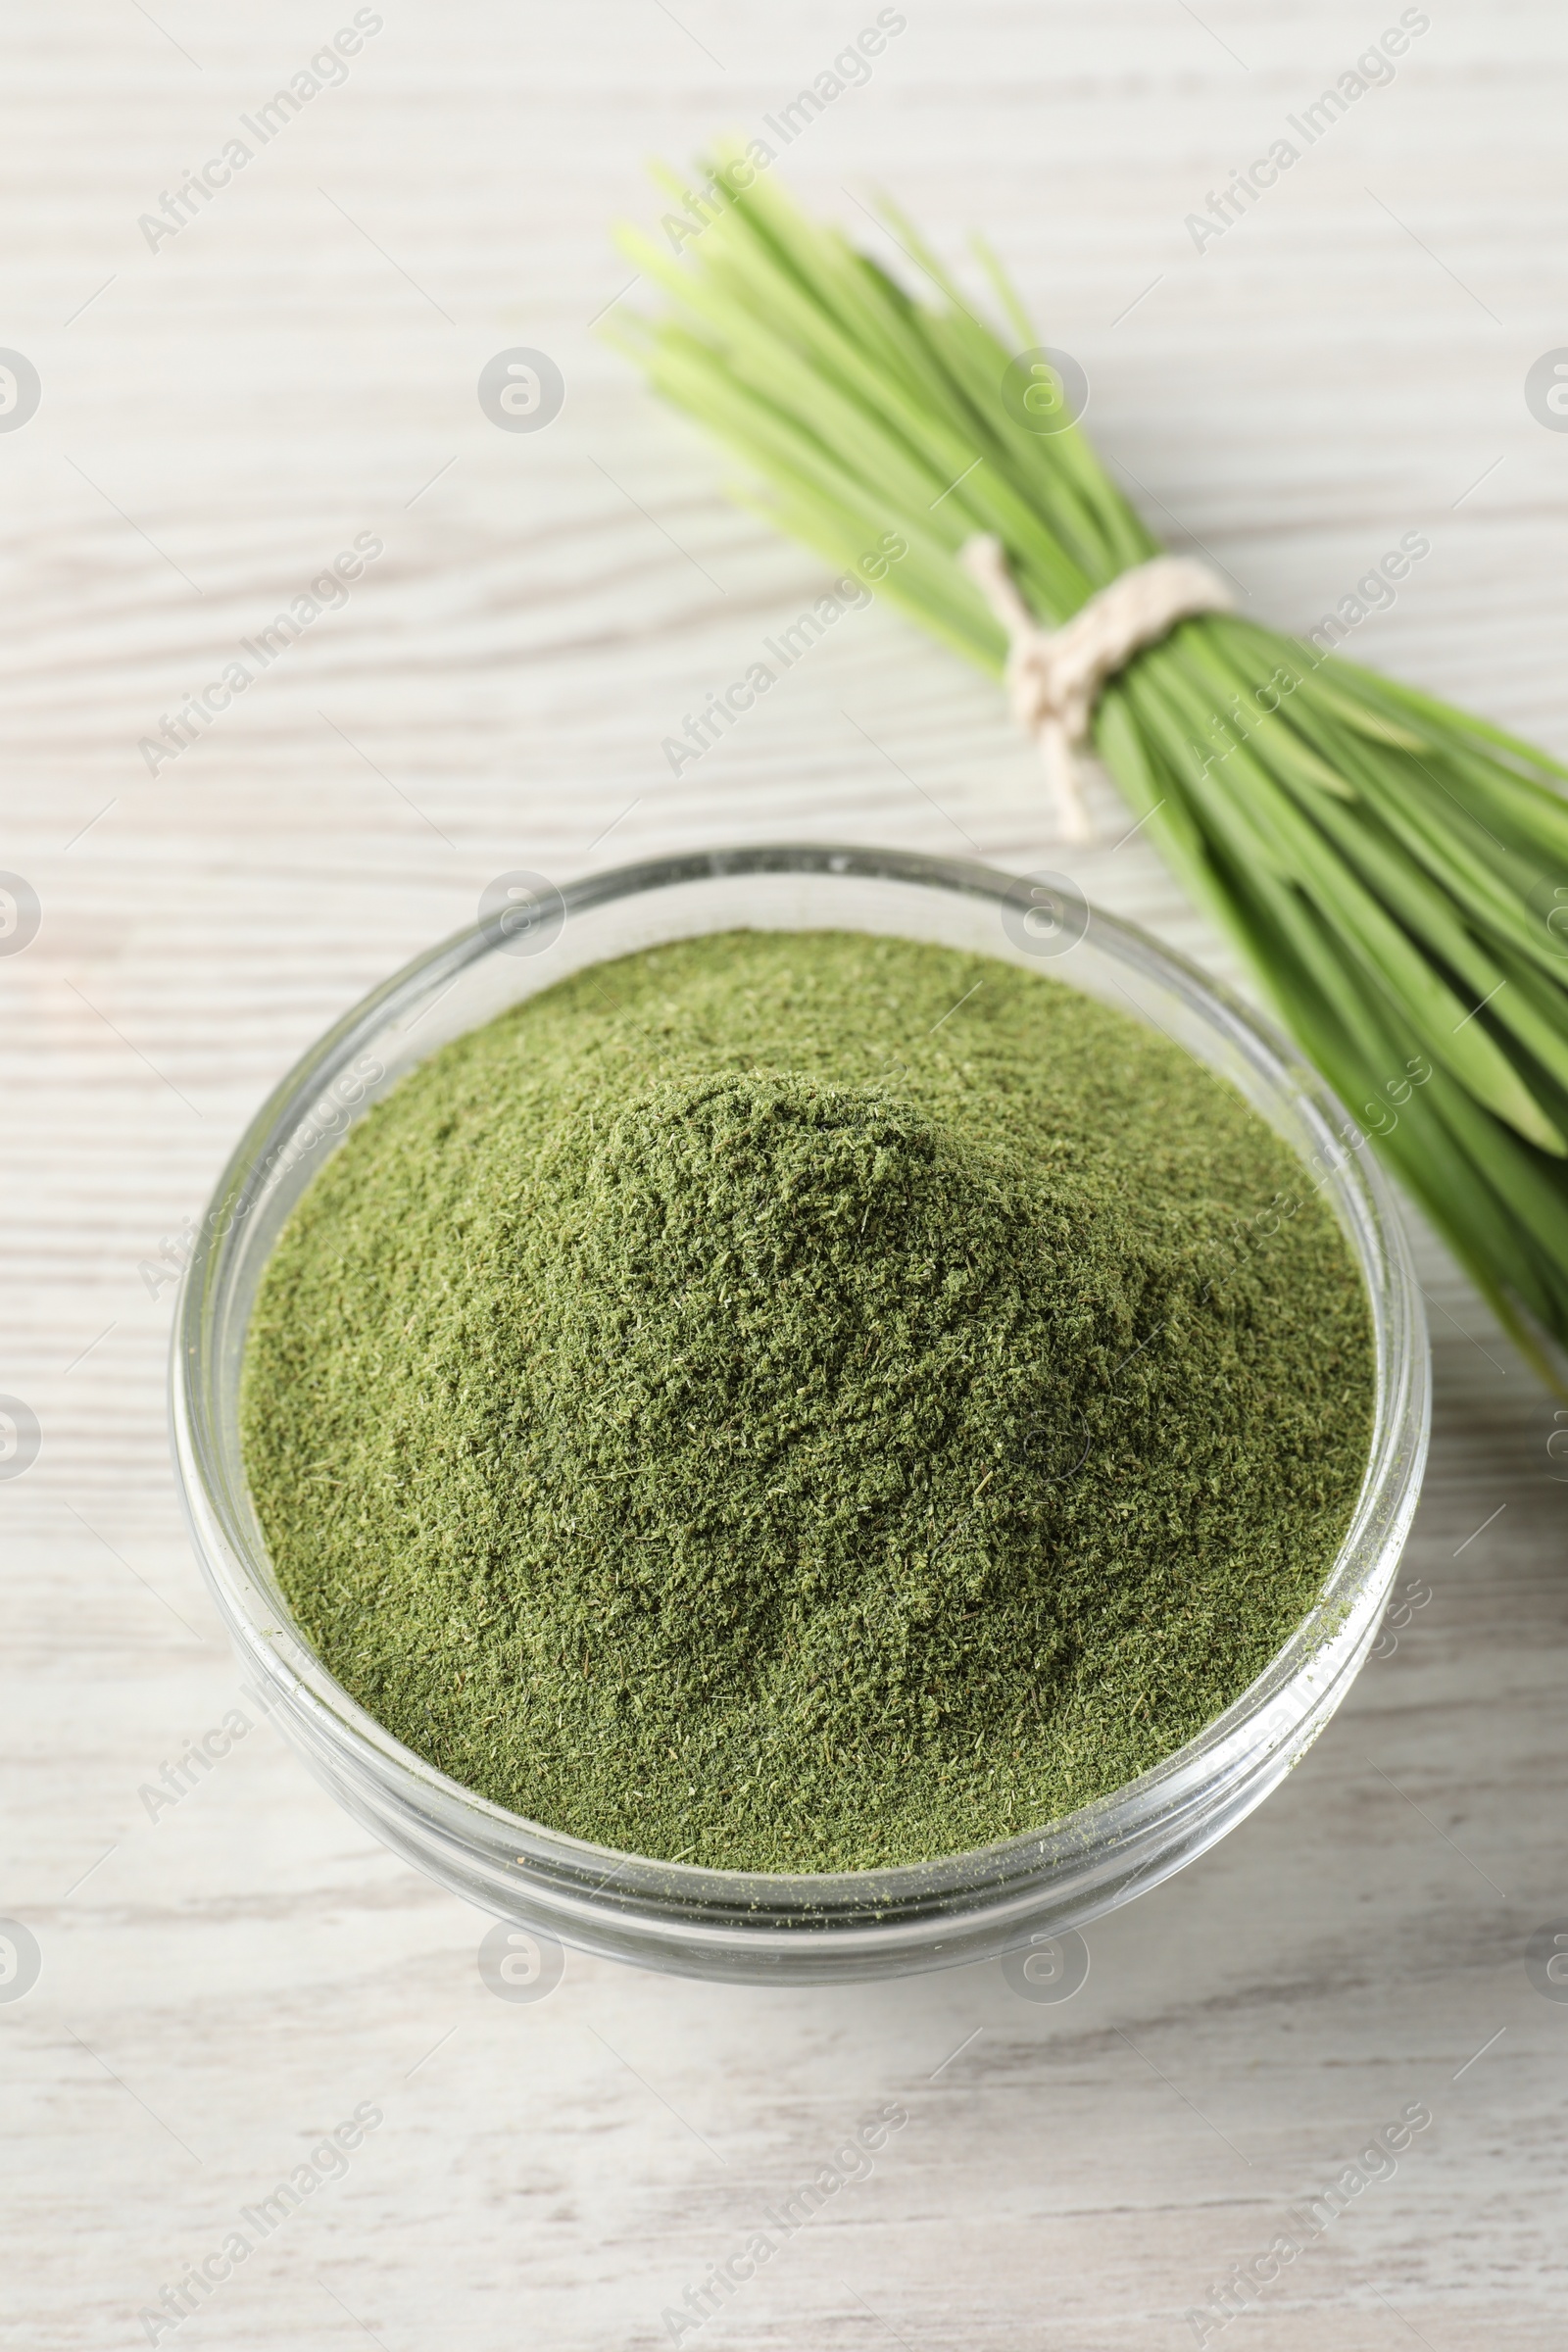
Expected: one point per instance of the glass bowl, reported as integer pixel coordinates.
(731, 1923)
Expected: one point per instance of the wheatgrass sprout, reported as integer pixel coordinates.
(1395, 870)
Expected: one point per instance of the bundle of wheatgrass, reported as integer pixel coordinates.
(1395, 870)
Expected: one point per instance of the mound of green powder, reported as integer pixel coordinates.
(804, 1401)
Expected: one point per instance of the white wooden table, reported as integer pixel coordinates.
(222, 411)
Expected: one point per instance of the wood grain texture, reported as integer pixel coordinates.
(225, 1983)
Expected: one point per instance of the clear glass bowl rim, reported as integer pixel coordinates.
(740, 1924)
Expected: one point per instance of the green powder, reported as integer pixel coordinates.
(806, 1401)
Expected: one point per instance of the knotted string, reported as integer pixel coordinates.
(1053, 676)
